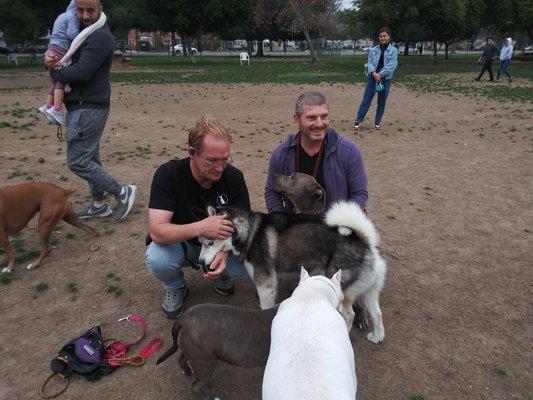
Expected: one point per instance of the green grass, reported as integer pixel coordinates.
(415, 72)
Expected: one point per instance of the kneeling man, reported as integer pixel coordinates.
(180, 189)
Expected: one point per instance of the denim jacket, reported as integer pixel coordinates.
(66, 27)
(344, 171)
(390, 60)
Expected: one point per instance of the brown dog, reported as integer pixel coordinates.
(305, 193)
(18, 205)
(207, 333)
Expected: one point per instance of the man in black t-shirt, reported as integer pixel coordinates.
(181, 188)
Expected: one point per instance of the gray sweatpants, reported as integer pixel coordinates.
(84, 130)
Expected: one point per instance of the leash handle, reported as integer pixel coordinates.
(53, 395)
(142, 326)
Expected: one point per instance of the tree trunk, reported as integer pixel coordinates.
(260, 52)
(173, 43)
(446, 45)
(435, 52)
(406, 50)
(314, 57)
(187, 48)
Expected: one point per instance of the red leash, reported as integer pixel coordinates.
(116, 353)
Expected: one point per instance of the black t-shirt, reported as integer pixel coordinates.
(381, 57)
(307, 165)
(175, 189)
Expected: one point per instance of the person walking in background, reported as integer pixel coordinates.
(382, 62)
(489, 55)
(88, 105)
(505, 58)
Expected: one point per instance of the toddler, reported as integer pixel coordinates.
(66, 28)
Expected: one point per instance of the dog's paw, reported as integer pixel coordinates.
(29, 267)
(374, 338)
(95, 247)
(6, 270)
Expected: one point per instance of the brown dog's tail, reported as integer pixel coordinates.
(69, 191)
(175, 332)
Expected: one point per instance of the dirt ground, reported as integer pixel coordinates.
(450, 184)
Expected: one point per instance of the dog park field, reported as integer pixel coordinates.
(450, 192)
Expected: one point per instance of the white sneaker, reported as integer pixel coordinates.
(43, 109)
(58, 116)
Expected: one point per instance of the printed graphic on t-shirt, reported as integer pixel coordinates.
(222, 200)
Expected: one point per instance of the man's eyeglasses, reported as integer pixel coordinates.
(212, 162)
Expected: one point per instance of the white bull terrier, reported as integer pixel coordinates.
(311, 356)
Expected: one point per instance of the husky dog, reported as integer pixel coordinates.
(278, 244)
(311, 356)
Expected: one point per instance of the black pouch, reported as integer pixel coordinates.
(83, 356)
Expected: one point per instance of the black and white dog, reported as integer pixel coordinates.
(278, 244)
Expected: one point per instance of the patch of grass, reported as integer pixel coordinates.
(70, 235)
(41, 287)
(499, 372)
(54, 241)
(6, 278)
(116, 290)
(72, 287)
(27, 256)
(416, 397)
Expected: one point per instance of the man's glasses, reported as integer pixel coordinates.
(213, 162)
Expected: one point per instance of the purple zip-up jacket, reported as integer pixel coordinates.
(344, 171)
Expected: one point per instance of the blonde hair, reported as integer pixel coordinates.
(204, 127)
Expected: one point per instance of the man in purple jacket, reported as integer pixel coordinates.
(333, 160)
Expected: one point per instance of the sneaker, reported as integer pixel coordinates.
(92, 211)
(43, 109)
(224, 285)
(125, 202)
(57, 116)
(172, 302)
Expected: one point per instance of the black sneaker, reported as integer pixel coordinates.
(91, 211)
(172, 302)
(224, 285)
(125, 202)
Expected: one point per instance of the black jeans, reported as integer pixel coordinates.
(487, 66)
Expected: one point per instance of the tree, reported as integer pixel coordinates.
(297, 16)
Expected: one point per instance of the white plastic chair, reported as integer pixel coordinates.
(244, 57)
(12, 58)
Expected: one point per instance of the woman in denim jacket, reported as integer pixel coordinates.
(382, 62)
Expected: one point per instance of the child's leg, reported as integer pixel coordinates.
(59, 93)
(49, 101)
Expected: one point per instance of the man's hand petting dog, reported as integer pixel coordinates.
(217, 266)
(216, 227)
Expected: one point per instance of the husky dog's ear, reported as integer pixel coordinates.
(303, 275)
(336, 279)
(211, 211)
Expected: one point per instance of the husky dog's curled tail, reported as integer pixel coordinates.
(348, 217)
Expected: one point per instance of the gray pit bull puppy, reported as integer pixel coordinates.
(207, 333)
(305, 193)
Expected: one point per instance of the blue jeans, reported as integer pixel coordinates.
(164, 261)
(503, 68)
(369, 95)
(84, 131)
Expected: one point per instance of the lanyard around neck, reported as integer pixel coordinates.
(317, 161)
